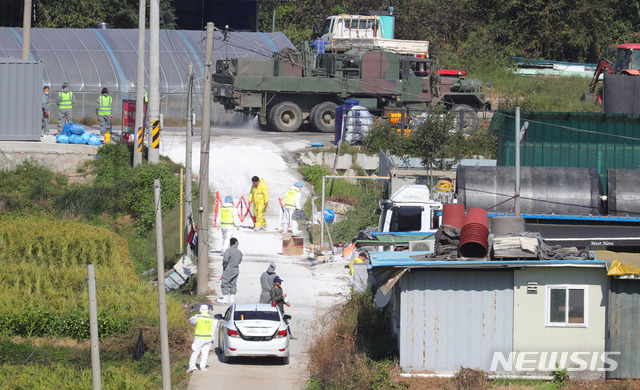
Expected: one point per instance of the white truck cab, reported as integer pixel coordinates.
(410, 210)
(344, 32)
(353, 26)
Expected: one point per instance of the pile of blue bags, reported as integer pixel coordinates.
(74, 133)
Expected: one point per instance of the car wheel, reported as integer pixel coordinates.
(469, 118)
(285, 116)
(323, 117)
(284, 360)
(225, 358)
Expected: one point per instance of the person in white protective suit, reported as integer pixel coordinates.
(227, 222)
(203, 338)
(292, 202)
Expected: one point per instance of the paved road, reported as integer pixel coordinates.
(237, 153)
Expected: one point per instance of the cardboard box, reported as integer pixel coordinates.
(292, 245)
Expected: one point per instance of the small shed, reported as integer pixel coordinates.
(485, 314)
(21, 102)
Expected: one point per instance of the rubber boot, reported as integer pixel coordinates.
(224, 299)
(232, 298)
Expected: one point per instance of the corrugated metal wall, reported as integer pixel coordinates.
(623, 327)
(569, 139)
(20, 100)
(455, 318)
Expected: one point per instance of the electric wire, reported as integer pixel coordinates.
(70, 307)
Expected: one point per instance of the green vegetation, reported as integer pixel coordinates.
(86, 14)
(486, 33)
(363, 199)
(364, 356)
(49, 231)
(432, 142)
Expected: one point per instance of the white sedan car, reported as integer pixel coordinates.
(255, 329)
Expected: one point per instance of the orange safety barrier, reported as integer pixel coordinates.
(215, 215)
(242, 202)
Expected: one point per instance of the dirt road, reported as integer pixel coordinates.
(236, 156)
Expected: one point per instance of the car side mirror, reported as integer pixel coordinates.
(218, 316)
(286, 317)
(377, 211)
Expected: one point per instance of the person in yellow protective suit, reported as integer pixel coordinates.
(259, 195)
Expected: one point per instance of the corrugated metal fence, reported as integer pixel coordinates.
(571, 139)
(452, 318)
(623, 328)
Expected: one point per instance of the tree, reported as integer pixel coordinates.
(434, 142)
(87, 13)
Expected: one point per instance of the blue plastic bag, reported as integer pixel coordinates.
(85, 137)
(77, 128)
(94, 140)
(329, 215)
(66, 130)
(62, 139)
(75, 139)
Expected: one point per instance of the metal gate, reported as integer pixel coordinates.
(623, 327)
(454, 318)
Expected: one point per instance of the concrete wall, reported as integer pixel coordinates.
(62, 158)
(530, 334)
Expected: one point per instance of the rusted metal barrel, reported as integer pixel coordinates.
(474, 236)
(453, 214)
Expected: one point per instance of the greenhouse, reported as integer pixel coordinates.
(91, 59)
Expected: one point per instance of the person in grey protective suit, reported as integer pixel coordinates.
(45, 110)
(230, 270)
(266, 282)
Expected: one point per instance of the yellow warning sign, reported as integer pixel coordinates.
(155, 135)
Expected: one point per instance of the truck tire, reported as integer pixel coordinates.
(285, 116)
(469, 118)
(323, 117)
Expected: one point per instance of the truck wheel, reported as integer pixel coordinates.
(323, 117)
(469, 118)
(285, 116)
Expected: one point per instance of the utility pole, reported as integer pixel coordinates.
(26, 30)
(188, 211)
(516, 198)
(203, 230)
(139, 132)
(162, 294)
(154, 81)
(93, 328)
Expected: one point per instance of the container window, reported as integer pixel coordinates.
(566, 306)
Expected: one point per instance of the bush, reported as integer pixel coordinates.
(349, 353)
(470, 379)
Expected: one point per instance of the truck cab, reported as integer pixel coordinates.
(353, 26)
(410, 210)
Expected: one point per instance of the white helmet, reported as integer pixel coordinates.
(204, 308)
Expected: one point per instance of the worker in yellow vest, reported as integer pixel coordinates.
(227, 222)
(203, 339)
(65, 105)
(104, 111)
(291, 203)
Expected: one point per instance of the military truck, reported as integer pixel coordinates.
(290, 89)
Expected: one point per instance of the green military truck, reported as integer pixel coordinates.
(293, 88)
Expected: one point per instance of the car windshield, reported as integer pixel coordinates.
(256, 315)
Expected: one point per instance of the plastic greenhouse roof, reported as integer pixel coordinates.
(90, 59)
